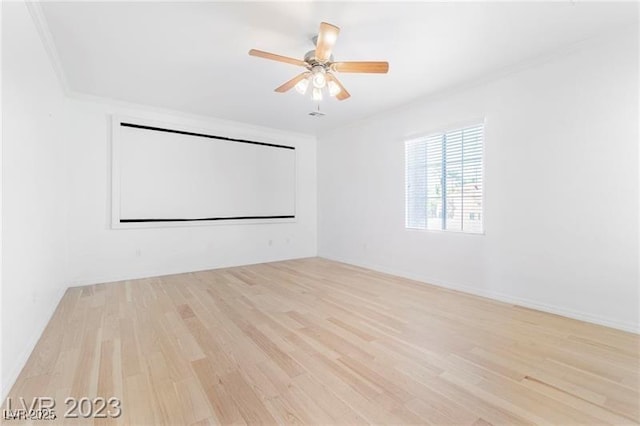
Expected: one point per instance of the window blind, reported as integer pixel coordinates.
(444, 188)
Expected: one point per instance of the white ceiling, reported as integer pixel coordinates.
(193, 56)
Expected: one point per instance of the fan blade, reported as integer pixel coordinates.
(343, 92)
(361, 67)
(289, 84)
(327, 37)
(279, 58)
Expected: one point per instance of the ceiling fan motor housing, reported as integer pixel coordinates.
(310, 58)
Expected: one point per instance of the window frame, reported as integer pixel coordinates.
(444, 130)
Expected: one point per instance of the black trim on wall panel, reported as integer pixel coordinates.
(203, 135)
(206, 218)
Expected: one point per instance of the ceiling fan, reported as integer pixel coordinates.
(320, 66)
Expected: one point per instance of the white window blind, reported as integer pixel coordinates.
(444, 187)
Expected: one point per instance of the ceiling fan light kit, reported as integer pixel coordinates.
(321, 67)
(302, 86)
(316, 94)
(319, 79)
(334, 89)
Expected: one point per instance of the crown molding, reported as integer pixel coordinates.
(37, 15)
(46, 37)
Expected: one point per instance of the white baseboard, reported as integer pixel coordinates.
(159, 272)
(514, 300)
(9, 380)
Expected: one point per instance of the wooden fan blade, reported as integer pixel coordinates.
(289, 84)
(327, 37)
(343, 92)
(361, 67)
(279, 58)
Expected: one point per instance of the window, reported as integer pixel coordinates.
(444, 186)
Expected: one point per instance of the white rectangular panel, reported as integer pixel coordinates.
(170, 175)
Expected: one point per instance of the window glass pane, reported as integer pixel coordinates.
(472, 179)
(416, 174)
(434, 213)
(453, 208)
(434, 181)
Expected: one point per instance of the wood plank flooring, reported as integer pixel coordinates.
(313, 341)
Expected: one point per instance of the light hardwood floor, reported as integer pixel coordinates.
(318, 342)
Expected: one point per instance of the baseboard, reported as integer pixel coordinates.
(10, 379)
(160, 272)
(501, 297)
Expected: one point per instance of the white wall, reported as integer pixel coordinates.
(561, 201)
(98, 253)
(34, 248)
